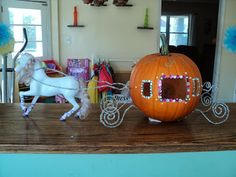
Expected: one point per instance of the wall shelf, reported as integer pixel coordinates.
(75, 26)
(98, 6)
(145, 28)
(126, 5)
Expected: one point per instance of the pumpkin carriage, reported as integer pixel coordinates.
(165, 87)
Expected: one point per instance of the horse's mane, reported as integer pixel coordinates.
(26, 73)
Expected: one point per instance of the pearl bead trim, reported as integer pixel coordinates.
(150, 90)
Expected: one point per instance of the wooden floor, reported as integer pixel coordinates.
(44, 133)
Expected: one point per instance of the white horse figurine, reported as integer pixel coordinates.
(31, 72)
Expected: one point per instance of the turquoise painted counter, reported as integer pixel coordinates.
(200, 164)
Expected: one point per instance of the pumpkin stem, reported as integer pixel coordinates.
(164, 47)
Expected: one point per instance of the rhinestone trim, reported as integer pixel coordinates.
(172, 100)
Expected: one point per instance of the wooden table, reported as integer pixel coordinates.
(44, 133)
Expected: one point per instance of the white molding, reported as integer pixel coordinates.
(49, 35)
(55, 43)
(219, 44)
(159, 5)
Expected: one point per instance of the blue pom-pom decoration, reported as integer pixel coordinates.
(5, 35)
(230, 39)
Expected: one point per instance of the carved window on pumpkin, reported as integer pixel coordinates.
(146, 89)
(196, 87)
(174, 88)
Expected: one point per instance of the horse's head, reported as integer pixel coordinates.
(25, 68)
(25, 61)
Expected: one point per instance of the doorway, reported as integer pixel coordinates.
(192, 30)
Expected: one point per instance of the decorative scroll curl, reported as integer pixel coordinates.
(110, 116)
(206, 97)
(109, 104)
(219, 110)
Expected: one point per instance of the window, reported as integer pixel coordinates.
(176, 28)
(34, 17)
(196, 87)
(174, 89)
(146, 89)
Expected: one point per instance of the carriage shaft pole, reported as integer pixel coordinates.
(4, 79)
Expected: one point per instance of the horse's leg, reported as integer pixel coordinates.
(29, 109)
(75, 107)
(22, 102)
(85, 104)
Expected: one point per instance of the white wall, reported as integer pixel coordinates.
(111, 32)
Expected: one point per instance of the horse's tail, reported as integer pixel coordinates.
(84, 98)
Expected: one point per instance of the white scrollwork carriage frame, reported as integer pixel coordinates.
(112, 114)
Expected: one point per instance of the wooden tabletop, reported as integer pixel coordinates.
(44, 133)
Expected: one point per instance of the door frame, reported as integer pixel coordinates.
(218, 51)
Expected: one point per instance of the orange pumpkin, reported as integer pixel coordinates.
(166, 87)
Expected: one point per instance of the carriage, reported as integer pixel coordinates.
(169, 92)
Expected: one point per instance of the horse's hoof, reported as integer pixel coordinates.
(80, 117)
(77, 117)
(25, 116)
(62, 119)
